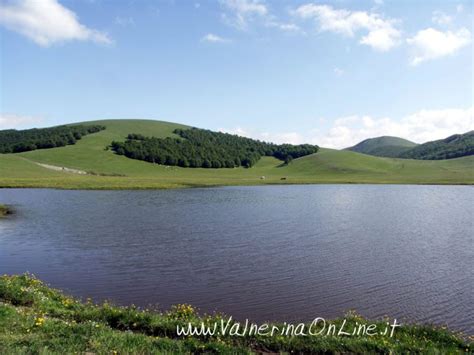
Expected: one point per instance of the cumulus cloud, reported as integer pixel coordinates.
(380, 33)
(212, 38)
(47, 22)
(240, 12)
(419, 127)
(10, 121)
(430, 44)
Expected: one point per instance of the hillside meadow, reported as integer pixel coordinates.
(107, 170)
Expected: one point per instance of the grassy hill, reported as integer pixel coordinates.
(385, 146)
(107, 170)
(455, 146)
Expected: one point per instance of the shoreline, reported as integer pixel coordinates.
(186, 185)
(39, 317)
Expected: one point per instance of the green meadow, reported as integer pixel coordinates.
(35, 318)
(106, 170)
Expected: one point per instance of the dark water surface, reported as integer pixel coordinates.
(264, 253)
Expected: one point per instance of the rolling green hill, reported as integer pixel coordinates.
(455, 146)
(106, 170)
(385, 146)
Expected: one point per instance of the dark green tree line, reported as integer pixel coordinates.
(207, 149)
(455, 146)
(14, 141)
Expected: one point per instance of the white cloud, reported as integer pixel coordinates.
(430, 44)
(419, 127)
(124, 21)
(212, 38)
(274, 137)
(286, 27)
(47, 22)
(243, 11)
(459, 8)
(10, 121)
(440, 18)
(246, 6)
(338, 71)
(381, 33)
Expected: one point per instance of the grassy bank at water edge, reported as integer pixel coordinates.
(35, 318)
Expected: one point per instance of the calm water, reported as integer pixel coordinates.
(264, 253)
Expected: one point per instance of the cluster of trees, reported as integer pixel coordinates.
(458, 145)
(203, 148)
(14, 141)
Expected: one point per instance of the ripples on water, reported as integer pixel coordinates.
(265, 253)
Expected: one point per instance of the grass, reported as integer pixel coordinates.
(35, 318)
(110, 171)
(5, 210)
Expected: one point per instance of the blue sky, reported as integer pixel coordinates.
(324, 72)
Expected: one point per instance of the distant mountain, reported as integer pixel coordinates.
(385, 146)
(458, 145)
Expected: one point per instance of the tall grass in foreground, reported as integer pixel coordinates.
(35, 318)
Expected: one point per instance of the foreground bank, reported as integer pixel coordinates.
(36, 318)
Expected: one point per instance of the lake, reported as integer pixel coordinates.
(288, 253)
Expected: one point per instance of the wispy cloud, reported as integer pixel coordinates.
(440, 18)
(274, 137)
(430, 44)
(10, 121)
(240, 12)
(287, 27)
(124, 21)
(47, 22)
(338, 71)
(212, 38)
(380, 33)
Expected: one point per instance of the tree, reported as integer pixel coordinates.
(13, 141)
(203, 148)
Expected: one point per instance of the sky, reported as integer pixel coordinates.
(330, 73)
